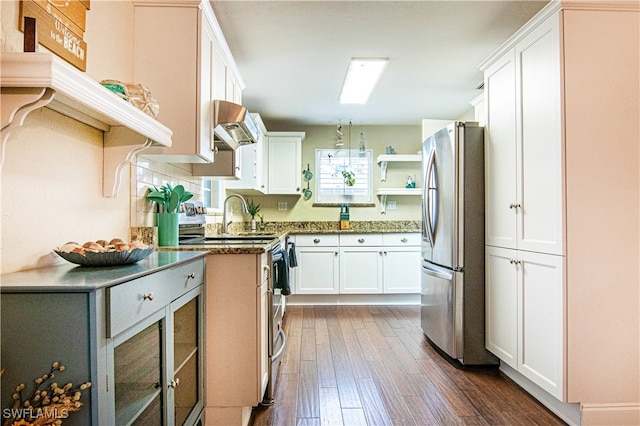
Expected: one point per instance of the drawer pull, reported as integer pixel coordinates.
(147, 296)
(361, 240)
(174, 383)
(404, 240)
(192, 275)
(316, 240)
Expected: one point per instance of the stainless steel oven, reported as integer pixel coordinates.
(278, 289)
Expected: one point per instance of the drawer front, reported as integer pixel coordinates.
(133, 301)
(402, 239)
(355, 240)
(313, 240)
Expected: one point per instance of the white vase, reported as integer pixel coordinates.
(253, 225)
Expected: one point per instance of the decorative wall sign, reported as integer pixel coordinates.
(60, 27)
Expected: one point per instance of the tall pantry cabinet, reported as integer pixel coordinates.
(563, 186)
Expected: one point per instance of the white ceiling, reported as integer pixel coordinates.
(293, 55)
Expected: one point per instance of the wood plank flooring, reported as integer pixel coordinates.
(371, 365)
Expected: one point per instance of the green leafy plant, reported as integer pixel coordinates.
(253, 209)
(349, 177)
(169, 198)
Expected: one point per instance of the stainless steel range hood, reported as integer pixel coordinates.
(232, 126)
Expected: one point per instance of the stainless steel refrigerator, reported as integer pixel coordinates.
(452, 294)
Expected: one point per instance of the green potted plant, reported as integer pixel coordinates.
(169, 200)
(253, 211)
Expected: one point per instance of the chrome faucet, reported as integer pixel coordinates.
(245, 209)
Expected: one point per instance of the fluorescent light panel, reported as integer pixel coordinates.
(362, 76)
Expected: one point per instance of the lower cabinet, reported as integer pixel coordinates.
(318, 264)
(524, 322)
(139, 342)
(357, 263)
(237, 355)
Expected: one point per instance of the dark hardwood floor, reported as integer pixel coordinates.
(371, 365)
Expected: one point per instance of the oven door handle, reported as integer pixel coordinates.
(282, 336)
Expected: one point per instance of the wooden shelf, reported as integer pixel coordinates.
(33, 80)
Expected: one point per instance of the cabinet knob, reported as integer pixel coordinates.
(191, 275)
(515, 261)
(380, 252)
(335, 253)
(404, 240)
(147, 296)
(316, 240)
(514, 206)
(174, 383)
(361, 240)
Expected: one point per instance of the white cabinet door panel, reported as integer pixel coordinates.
(361, 270)
(500, 153)
(540, 146)
(401, 269)
(541, 316)
(501, 298)
(317, 270)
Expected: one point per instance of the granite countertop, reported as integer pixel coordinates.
(69, 277)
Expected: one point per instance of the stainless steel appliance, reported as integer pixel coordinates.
(452, 295)
(278, 289)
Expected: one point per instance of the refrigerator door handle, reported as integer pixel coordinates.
(431, 199)
(437, 272)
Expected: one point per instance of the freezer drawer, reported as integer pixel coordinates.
(442, 309)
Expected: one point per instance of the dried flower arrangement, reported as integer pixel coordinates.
(47, 406)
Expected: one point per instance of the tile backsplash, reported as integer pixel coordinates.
(146, 174)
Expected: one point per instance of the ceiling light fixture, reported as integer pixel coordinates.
(362, 76)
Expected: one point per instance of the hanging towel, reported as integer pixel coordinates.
(281, 271)
(293, 260)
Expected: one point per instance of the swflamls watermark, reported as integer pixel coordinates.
(35, 413)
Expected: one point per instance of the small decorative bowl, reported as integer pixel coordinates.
(110, 258)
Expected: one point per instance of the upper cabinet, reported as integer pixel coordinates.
(185, 70)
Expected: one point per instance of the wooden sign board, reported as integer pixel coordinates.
(56, 31)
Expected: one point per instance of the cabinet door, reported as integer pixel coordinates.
(500, 152)
(285, 165)
(185, 383)
(501, 298)
(317, 271)
(540, 145)
(541, 322)
(360, 270)
(401, 269)
(205, 104)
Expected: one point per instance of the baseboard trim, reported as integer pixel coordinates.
(354, 299)
(568, 412)
(611, 414)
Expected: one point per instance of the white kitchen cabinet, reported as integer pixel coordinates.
(524, 210)
(183, 72)
(524, 145)
(360, 263)
(284, 162)
(401, 256)
(236, 336)
(524, 306)
(318, 264)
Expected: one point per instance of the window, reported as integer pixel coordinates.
(213, 194)
(343, 176)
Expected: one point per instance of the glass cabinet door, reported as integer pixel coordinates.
(138, 377)
(186, 359)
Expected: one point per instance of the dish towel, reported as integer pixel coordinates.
(282, 273)
(293, 261)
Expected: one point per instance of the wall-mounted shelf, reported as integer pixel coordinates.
(33, 80)
(383, 161)
(384, 192)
